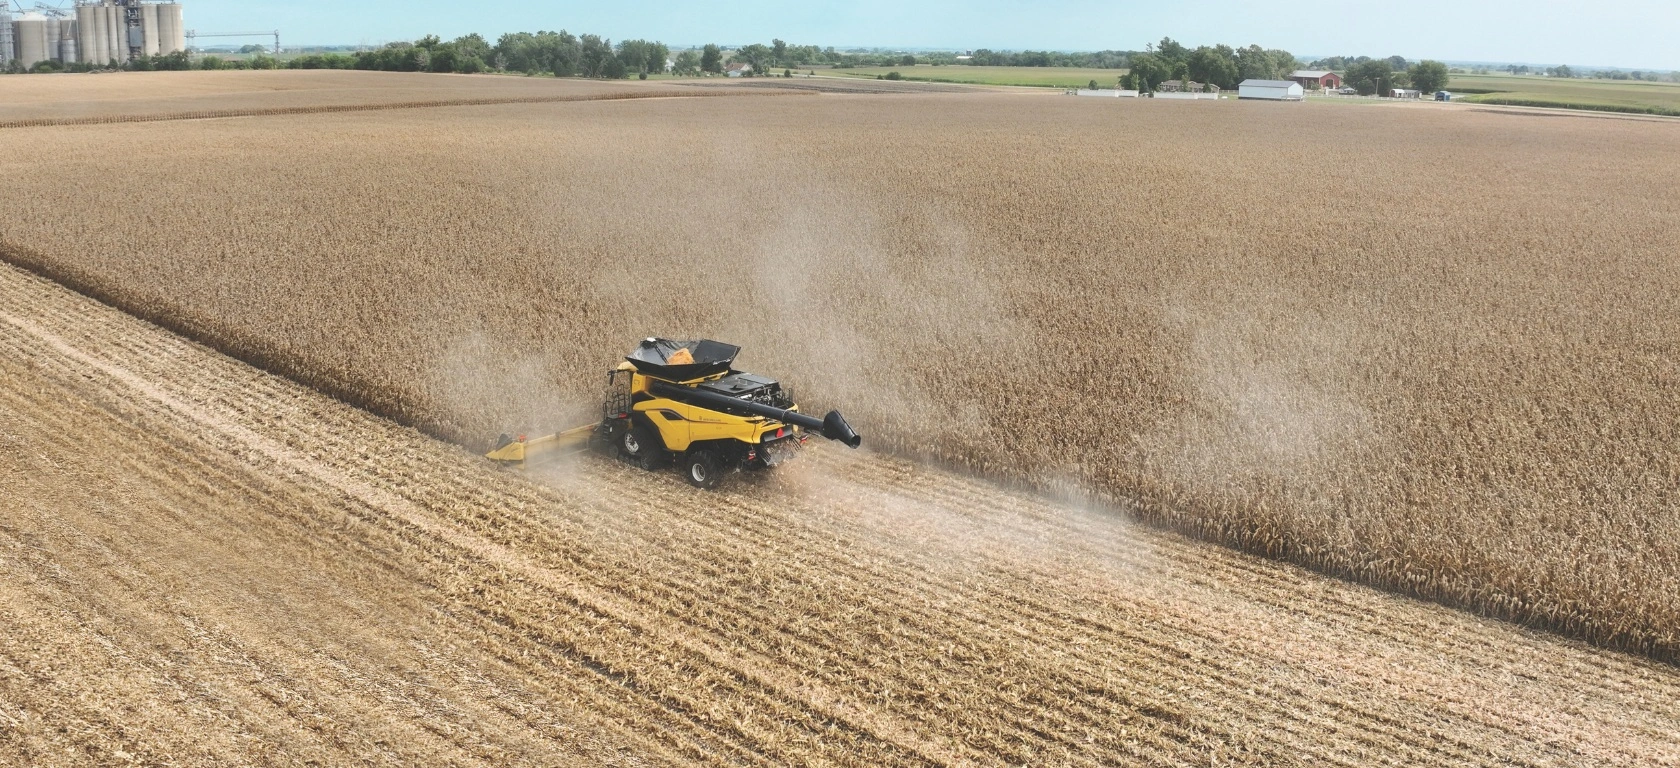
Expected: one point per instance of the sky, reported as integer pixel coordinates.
(1625, 33)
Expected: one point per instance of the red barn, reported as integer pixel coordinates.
(1313, 79)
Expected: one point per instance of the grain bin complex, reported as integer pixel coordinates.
(105, 33)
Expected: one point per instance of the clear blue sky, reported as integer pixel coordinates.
(1629, 33)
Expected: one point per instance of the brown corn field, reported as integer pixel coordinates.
(205, 564)
(1429, 349)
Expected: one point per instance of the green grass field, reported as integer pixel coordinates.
(1528, 90)
(1045, 77)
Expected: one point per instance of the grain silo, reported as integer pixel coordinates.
(149, 25)
(67, 49)
(172, 31)
(85, 29)
(6, 43)
(116, 34)
(99, 41)
(52, 36)
(30, 33)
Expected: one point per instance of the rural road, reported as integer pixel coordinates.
(202, 563)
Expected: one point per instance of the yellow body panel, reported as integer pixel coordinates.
(679, 424)
(694, 423)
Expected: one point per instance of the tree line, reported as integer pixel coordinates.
(1218, 65)
(562, 54)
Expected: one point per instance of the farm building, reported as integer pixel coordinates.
(1316, 79)
(1106, 92)
(1272, 90)
(1175, 86)
(738, 70)
(1405, 93)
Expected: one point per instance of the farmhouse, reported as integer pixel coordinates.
(738, 70)
(1273, 90)
(1316, 79)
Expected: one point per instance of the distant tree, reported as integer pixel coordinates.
(1148, 71)
(1254, 63)
(1092, 86)
(441, 57)
(778, 52)
(173, 62)
(1429, 76)
(711, 58)
(1171, 50)
(1373, 77)
(261, 61)
(756, 55)
(1215, 66)
(474, 46)
(596, 58)
(894, 75)
(1284, 63)
(907, 61)
(210, 62)
(787, 73)
(1561, 71)
(687, 64)
(642, 56)
(1397, 63)
(1674, 77)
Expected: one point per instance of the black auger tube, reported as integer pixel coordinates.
(833, 426)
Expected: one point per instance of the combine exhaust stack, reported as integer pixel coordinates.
(684, 401)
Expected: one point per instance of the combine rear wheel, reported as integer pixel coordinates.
(641, 447)
(704, 469)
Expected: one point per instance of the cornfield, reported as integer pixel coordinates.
(206, 564)
(1431, 350)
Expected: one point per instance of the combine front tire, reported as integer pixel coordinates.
(704, 469)
(641, 447)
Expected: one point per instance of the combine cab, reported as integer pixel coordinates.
(683, 402)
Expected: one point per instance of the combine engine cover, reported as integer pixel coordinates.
(750, 388)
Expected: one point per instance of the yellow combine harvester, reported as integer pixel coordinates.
(684, 400)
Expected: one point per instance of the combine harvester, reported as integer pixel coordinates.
(684, 400)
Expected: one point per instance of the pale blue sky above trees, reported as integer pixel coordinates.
(1625, 33)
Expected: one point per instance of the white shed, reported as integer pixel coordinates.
(1109, 93)
(1273, 90)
